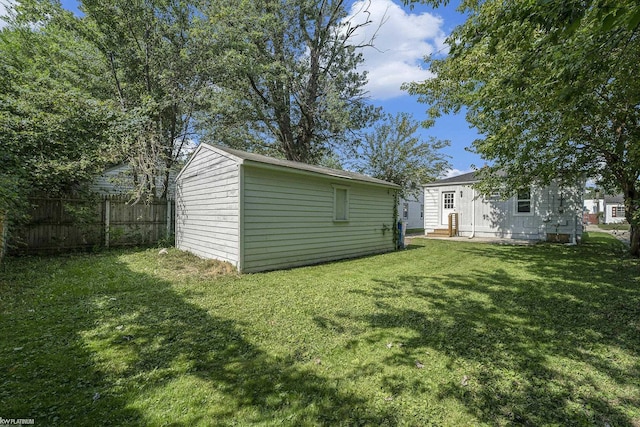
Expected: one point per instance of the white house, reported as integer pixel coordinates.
(614, 209)
(118, 180)
(593, 209)
(548, 213)
(260, 213)
(593, 206)
(411, 212)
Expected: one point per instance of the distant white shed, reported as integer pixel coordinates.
(552, 212)
(614, 209)
(261, 213)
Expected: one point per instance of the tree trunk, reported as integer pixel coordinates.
(634, 241)
(631, 209)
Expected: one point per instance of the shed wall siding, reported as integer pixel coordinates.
(609, 218)
(431, 209)
(288, 220)
(207, 207)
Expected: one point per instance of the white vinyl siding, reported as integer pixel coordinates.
(552, 210)
(289, 220)
(207, 208)
(411, 211)
(431, 209)
(614, 213)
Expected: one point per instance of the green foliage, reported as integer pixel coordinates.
(551, 86)
(392, 152)
(54, 110)
(159, 55)
(444, 333)
(291, 87)
(167, 241)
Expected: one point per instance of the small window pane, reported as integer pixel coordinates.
(524, 201)
(405, 211)
(341, 204)
(448, 200)
(524, 206)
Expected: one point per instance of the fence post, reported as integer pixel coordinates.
(107, 218)
(168, 217)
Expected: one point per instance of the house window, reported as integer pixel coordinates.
(448, 200)
(405, 211)
(523, 202)
(340, 203)
(421, 211)
(617, 211)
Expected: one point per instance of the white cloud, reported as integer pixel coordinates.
(401, 42)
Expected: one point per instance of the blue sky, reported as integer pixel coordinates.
(401, 42)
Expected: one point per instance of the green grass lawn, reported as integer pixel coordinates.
(444, 333)
(619, 226)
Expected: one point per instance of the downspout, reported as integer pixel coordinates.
(473, 213)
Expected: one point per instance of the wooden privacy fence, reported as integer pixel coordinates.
(65, 224)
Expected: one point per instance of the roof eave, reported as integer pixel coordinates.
(443, 184)
(270, 166)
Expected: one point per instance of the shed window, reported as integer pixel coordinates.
(340, 204)
(523, 203)
(405, 211)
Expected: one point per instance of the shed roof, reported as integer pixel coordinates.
(258, 160)
(465, 178)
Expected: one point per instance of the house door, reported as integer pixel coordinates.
(448, 206)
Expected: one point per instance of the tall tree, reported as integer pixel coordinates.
(292, 87)
(54, 111)
(393, 152)
(159, 53)
(553, 88)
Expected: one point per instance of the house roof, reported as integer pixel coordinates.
(618, 198)
(260, 160)
(465, 178)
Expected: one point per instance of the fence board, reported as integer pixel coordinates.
(60, 225)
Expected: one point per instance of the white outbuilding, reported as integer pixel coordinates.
(261, 213)
(552, 212)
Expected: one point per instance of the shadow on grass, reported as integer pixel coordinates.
(555, 341)
(105, 345)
